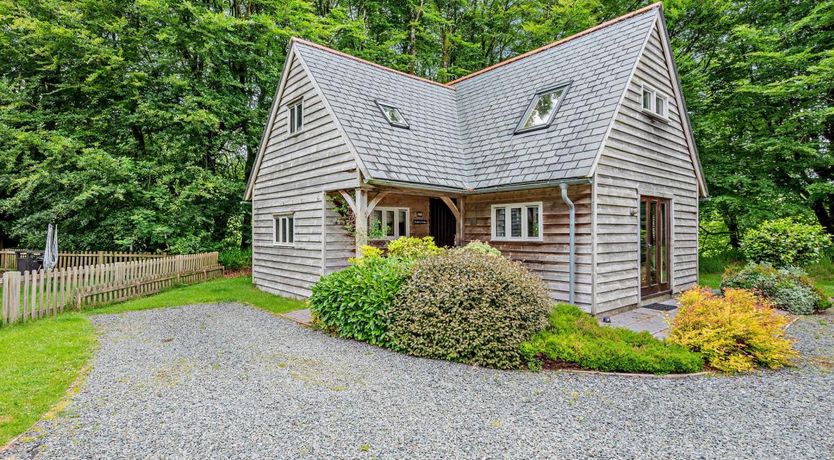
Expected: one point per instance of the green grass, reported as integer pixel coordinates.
(712, 268)
(575, 339)
(40, 359)
(38, 362)
(712, 280)
(238, 289)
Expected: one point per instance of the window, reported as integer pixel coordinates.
(393, 115)
(388, 223)
(521, 222)
(283, 227)
(654, 102)
(542, 109)
(296, 116)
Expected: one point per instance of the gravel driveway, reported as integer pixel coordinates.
(233, 381)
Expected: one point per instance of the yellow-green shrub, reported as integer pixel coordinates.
(409, 247)
(734, 333)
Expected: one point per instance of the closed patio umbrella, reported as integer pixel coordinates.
(50, 255)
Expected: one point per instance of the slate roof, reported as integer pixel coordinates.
(462, 134)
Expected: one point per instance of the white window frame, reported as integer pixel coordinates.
(291, 116)
(508, 222)
(382, 106)
(652, 109)
(278, 222)
(395, 224)
(532, 105)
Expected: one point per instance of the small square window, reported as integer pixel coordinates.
(393, 115)
(654, 102)
(295, 112)
(524, 221)
(542, 109)
(388, 223)
(284, 229)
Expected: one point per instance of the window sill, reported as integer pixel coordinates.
(517, 240)
(283, 245)
(656, 116)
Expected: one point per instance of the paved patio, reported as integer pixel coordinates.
(641, 319)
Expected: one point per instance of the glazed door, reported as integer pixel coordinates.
(654, 246)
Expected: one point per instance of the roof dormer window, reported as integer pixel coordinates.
(542, 109)
(393, 115)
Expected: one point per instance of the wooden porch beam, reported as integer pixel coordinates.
(379, 196)
(349, 200)
(451, 205)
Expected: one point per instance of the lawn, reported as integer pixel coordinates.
(39, 360)
(822, 273)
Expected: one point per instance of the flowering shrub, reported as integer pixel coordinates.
(785, 242)
(734, 333)
(786, 288)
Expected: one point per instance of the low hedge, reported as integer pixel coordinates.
(470, 307)
(575, 339)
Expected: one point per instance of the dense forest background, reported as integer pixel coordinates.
(133, 124)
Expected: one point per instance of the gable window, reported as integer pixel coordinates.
(295, 113)
(654, 102)
(389, 223)
(517, 222)
(393, 115)
(542, 109)
(283, 229)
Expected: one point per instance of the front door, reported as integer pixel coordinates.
(654, 246)
(442, 223)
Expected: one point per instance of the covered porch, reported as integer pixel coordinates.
(548, 229)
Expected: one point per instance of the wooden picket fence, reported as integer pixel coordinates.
(8, 259)
(34, 295)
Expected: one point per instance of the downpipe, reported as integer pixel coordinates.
(572, 243)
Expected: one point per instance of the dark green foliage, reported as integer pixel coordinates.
(785, 243)
(575, 339)
(469, 307)
(355, 302)
(236, 258)
(787, 289)
(135, 124)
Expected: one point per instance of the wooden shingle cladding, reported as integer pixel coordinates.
(548, 258)
(643, 155)
(295, 171)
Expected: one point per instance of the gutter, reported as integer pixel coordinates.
(464, 191)
(572, 257)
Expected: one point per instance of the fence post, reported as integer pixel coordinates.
(11, 297)
(101, 257)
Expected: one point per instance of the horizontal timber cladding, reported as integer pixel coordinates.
(643, 156)
(548, 258)
(295, 171)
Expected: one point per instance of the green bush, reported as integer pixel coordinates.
(469, 307)
(354, 302)
(575, 339)
(409, 247)
(785, 242)
(235, 259)
(786, 288)
(480, 246)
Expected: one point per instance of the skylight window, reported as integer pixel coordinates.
(393, 115)
(542, 109)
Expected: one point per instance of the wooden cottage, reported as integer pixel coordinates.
(576, 159)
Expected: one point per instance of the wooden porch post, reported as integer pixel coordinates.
(461, 225)
(361, 203)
